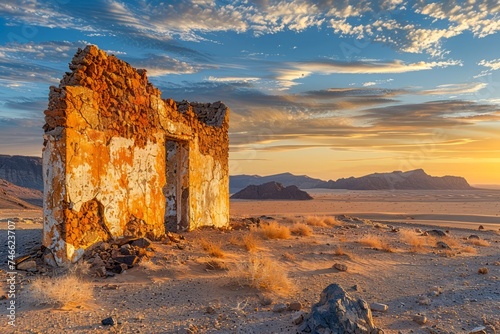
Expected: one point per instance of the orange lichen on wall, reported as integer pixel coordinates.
(105, 158)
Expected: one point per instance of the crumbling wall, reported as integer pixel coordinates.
(107, 154)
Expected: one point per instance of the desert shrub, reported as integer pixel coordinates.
(216, 265)
(415, 241)
(376, 242)
(250, 242)
(478, 242)
(64, 291)
(262, 273)
(315, 221)
(212, 248)
(273, 230)
(301, 229)
(469, 250)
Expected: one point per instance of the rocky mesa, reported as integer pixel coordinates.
(272, 190)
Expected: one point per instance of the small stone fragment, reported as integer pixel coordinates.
(265, 300)
(108, 321)
(420, 319)
(129, 260)
(298, 317)
(340, 266)
(478, 330)
(378, 307)
(210, 310)
(278, 308)
(482, 271)
(481, 227)
(424, 300)
(473, 237)
(142, 243)
(436, 233)
(295, 306)
(27, 265)
(443, 245)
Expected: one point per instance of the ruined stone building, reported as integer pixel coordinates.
(118, 160)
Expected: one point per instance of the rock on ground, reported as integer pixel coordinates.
(339, 313)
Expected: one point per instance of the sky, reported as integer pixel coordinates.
(328, 88)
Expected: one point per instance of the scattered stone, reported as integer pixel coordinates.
(295, 306)
(129, 260)
(473, 236)
(21, 258)
(436, 290)
(482, 271)
(379, 307)
(278, 308)
(298, 317)
(265, 300)
(210, 310)
(3, 297)
(27, 265)
(340, 266)
(481, 227)
(141, 243)
(48, 258)
(337, 312)
(181, 246)
(424, 300)
(442, 245)
(436, 233)
(108, 321)
(104, 246)
(101, 271)
(174, 237)
(478, 330)
(420, 319)
(126, 250)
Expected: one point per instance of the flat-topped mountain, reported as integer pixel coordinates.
(22, 171)
(272, 190)
(238, 182)
(412, 180)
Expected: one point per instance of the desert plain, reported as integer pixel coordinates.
(206, 281)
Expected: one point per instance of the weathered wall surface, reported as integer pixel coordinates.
(118, 159)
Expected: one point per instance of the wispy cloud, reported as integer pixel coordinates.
(455, 89)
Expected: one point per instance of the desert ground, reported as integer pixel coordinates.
(255, 276)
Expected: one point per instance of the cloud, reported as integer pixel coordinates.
(158, 24)
(21, 133)
(232, 79)
(159, 65)
(493, 65)
(293, 71)
(455, 89)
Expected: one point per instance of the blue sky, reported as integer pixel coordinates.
(324, 88)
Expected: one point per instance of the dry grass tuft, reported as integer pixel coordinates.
(415, 241)
(469, 250)
(315, 221)
(289, 256)
(263, 273)
(331, 221)
(449, 253)
(216, 265)
(376, 242)
(212, 248)
(64, 292)
(478, 242)
(250, 242)
(273, 230)
(301, 229)
(339, 251)
(452, 242)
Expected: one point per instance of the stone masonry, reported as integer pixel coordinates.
(120, 161)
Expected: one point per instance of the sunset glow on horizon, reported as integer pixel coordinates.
(329, 89)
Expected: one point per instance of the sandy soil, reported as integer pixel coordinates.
(170, 292)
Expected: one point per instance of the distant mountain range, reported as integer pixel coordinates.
(412, 180)
(26, 172)
(22, 171)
